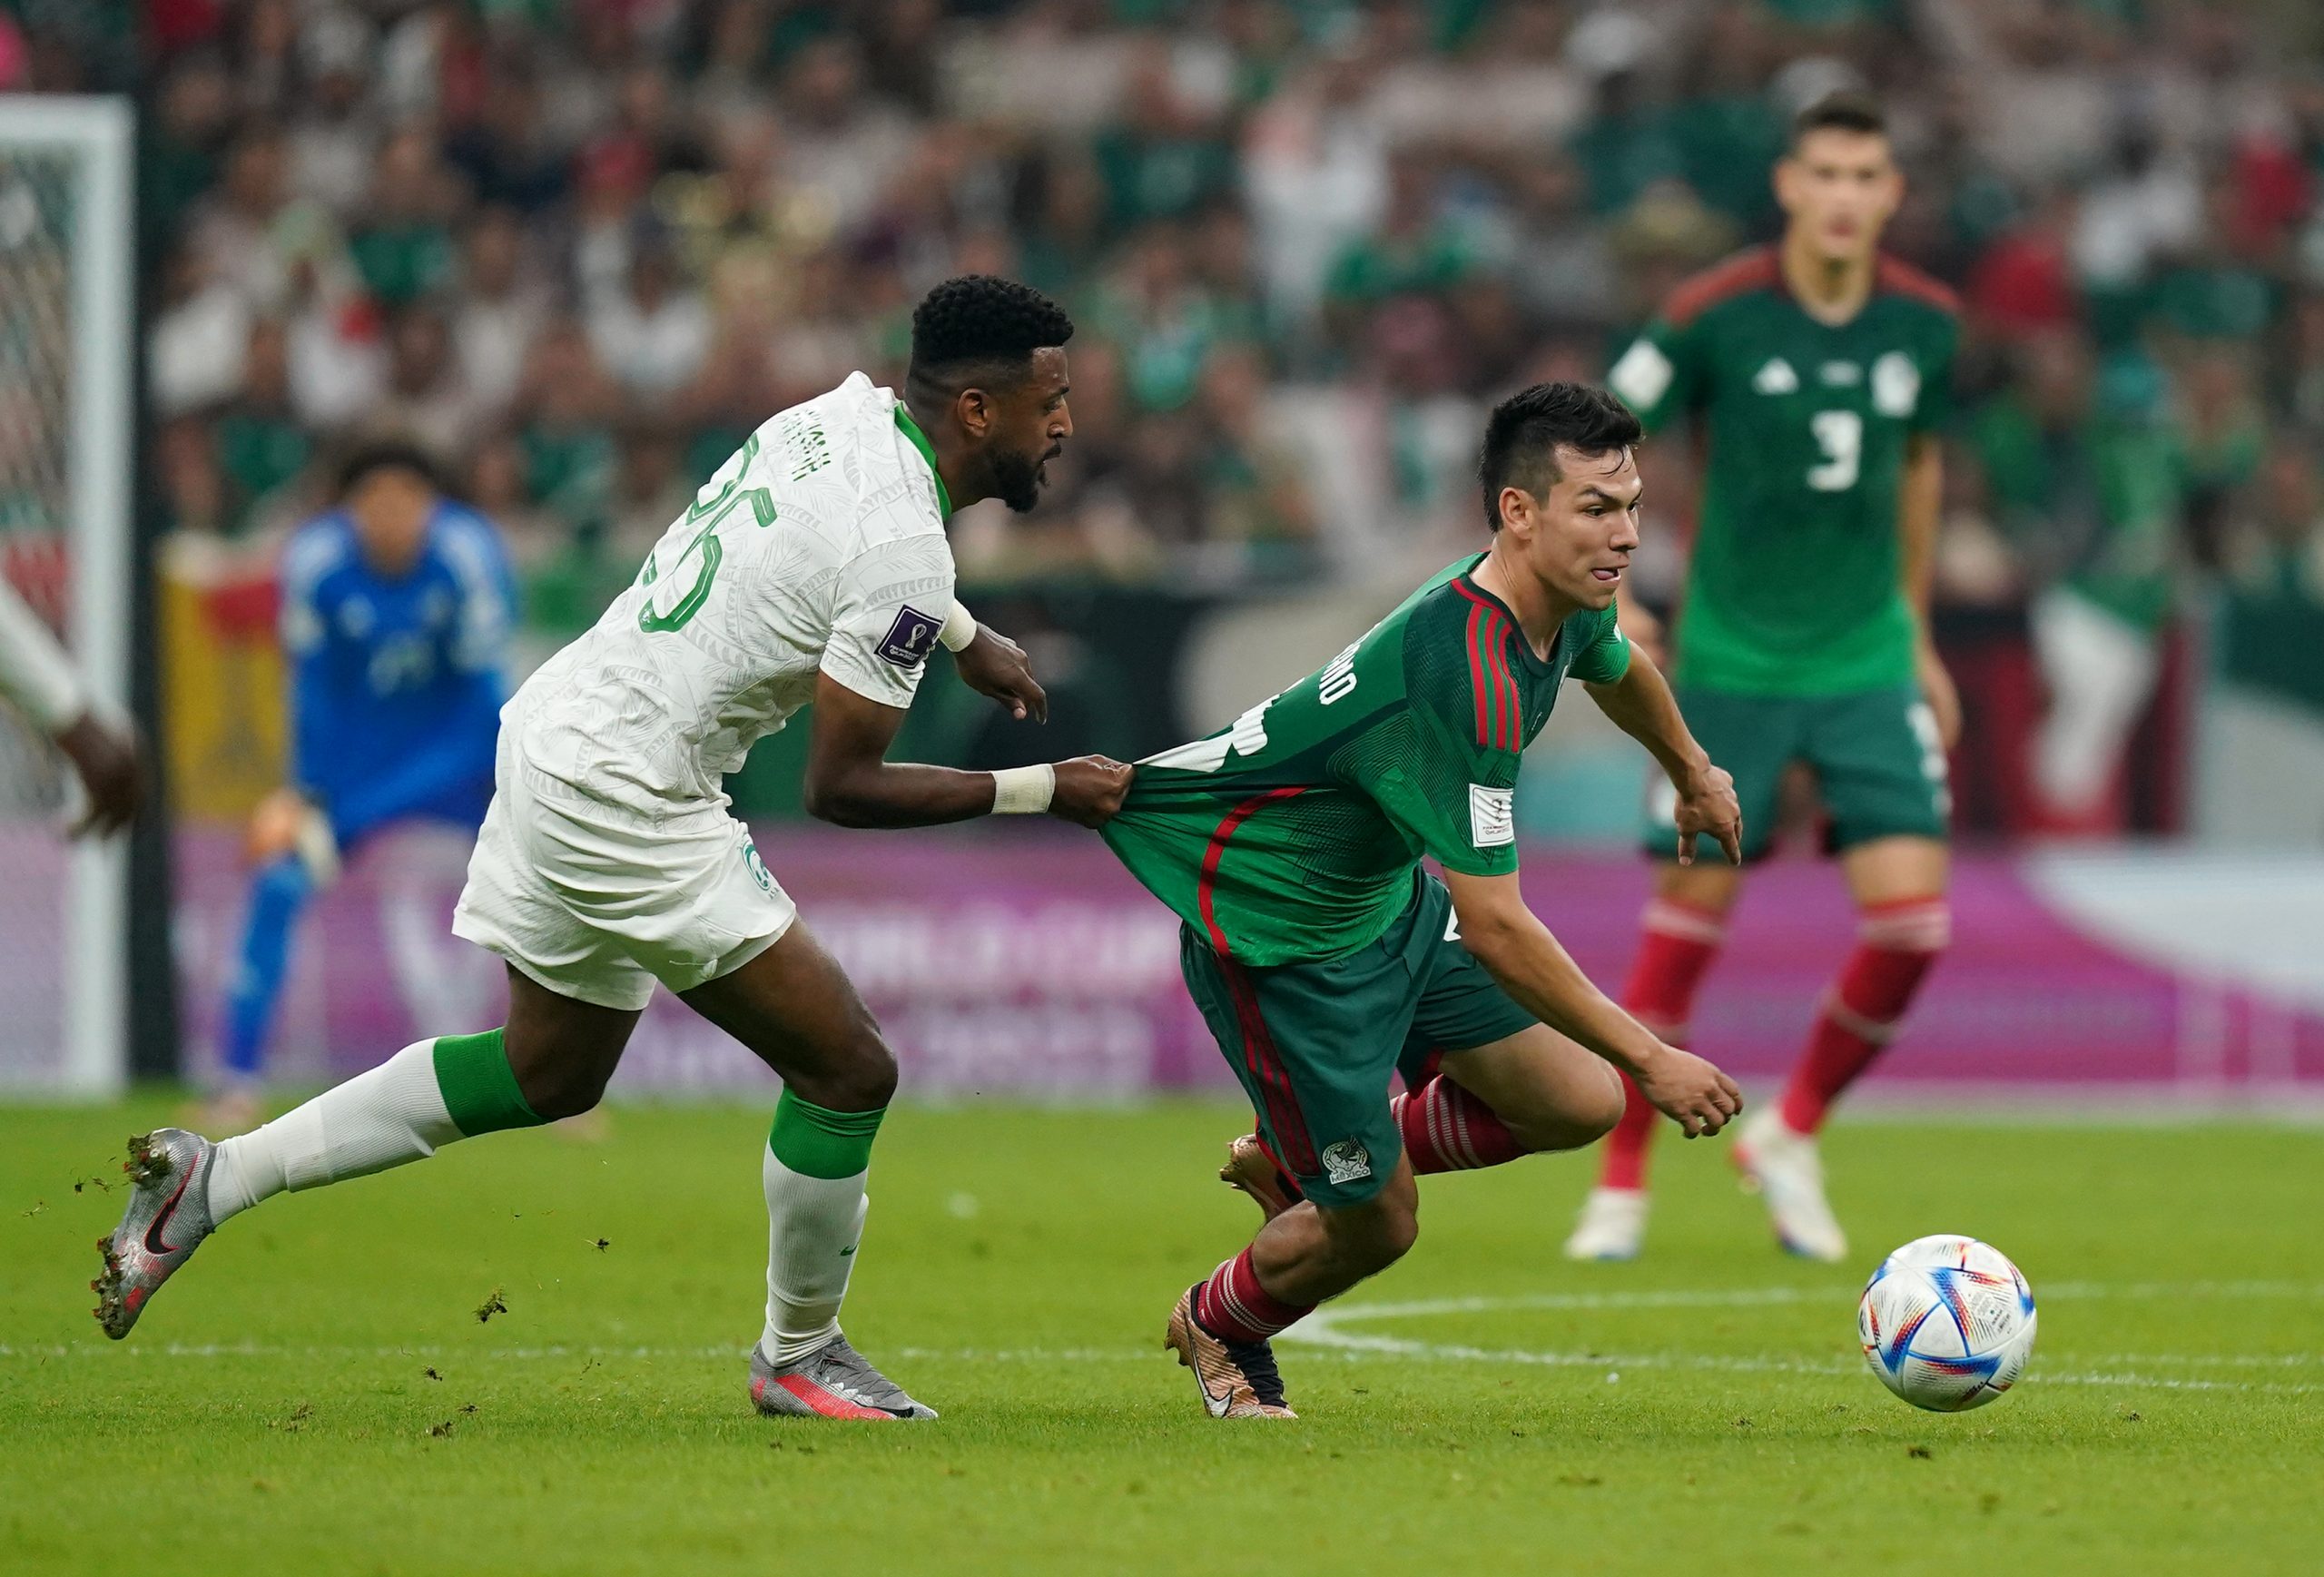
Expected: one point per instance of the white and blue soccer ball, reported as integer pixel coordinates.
(1946, 1323)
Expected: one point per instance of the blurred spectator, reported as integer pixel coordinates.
(1163, 159)
(1627, 144)
(566, 430)
(501, 306)
(651, 332)
(1249, 468)
(650, 492)
(497, 482)
(1416, 249)
(332, 141)
(201, 328)
(2280, 552)
(402, 244)
(509, 156)
(843, 142)
(241, 231)
(1559, 260)
(2087, 481)
(262, 446)
(425, 398)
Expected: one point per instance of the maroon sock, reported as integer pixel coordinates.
(1678, 944)
(1861, 1010)
(1448, 1129)
(1233, 1307)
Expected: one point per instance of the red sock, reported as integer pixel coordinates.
(1678, 944)
(1899, 942)
(1448, 1129)
(1233, 1307)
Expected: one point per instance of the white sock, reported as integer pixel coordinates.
(393, 1114)
(813, 1225)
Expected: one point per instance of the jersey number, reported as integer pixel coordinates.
(1840, 435)
(1245, 739)
(656, 618)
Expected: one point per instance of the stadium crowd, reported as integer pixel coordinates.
(580, 247)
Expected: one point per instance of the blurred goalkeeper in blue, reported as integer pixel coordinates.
(396, 613)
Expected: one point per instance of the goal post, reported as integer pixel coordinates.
(67, 328)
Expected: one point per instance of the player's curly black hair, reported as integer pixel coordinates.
(1523, 433)
(978, 326)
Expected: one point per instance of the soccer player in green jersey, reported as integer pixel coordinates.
(1817, 371)
(1325, 959)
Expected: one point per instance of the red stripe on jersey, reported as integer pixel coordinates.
(1899, 278)
(1513, 719)
(1477, 671)
(1265, 1063)
(1496, 634)
(1758, 269)
(1488, 664)
(1205, 885)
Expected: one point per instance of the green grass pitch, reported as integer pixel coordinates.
(317, 1394)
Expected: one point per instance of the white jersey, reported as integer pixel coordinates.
(818, 548)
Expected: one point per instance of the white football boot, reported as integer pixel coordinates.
(1612, 1226)
(1785, 1169)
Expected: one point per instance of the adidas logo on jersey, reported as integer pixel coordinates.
(1776, 378)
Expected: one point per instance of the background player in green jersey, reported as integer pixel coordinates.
(1325, 959)
(1817, 371)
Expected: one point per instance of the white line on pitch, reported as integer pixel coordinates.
(1754, 1297)
(1323, 1329)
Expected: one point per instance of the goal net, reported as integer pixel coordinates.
(66, 319)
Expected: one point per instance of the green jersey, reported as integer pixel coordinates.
(1292, 832)
(1794, 587)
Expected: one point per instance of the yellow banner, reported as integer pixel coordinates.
(222, 694)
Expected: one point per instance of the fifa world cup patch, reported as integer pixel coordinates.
(1347, 1161)
(1492, 816)
(911, 639)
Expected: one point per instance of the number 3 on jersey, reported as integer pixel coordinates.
(1840, 435)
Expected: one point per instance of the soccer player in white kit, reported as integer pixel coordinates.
(813, 568)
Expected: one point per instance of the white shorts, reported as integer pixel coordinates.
(597, 903)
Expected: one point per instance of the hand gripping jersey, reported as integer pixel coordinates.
(818, 547)
(1293, 834)
(1793, 588)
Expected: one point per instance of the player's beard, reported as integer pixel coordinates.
(1017, 479)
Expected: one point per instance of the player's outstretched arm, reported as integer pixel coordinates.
(851, 783)
(1518, 950)
(1641, 706)
(36, 675)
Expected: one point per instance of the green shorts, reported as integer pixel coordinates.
(1879, 766)
(1315, 1043)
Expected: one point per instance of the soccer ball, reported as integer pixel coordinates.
(1946, 1323)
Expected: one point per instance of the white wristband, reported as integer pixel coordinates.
(960, 626)
(1023, 791)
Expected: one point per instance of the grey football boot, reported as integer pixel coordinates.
(167, 1218)
(834, 1381)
